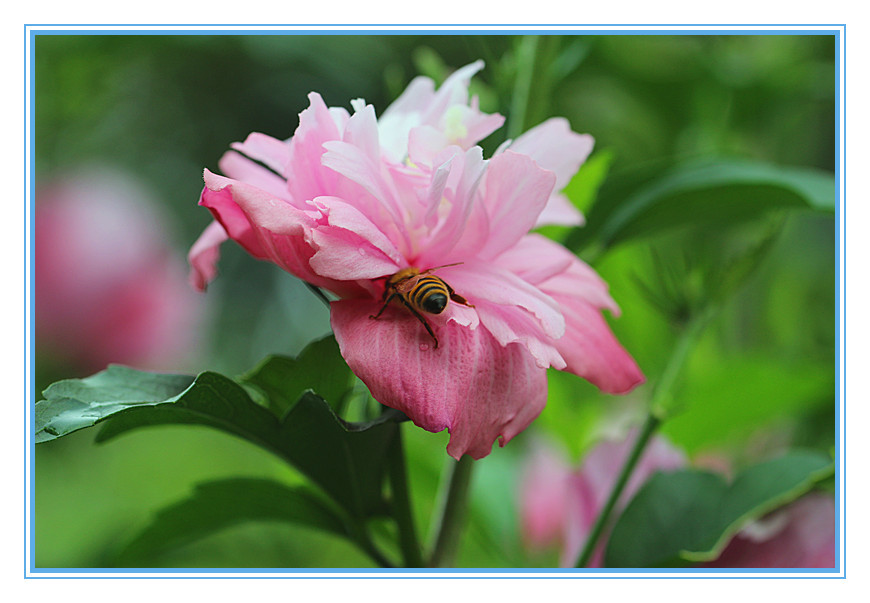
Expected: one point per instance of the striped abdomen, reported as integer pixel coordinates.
(428, 294)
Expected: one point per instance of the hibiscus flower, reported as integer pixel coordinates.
(351, 200)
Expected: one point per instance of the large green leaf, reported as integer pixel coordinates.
(319, 367)
(690, 515)
(708, 192)
(725, 398)
(348, 460)
(221, 504)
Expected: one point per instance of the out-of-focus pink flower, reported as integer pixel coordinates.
(108, 286)
(559, 504)
(351, 200)
(801, 534)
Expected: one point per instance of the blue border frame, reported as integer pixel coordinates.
(835, 30)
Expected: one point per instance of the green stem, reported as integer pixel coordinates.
(657, 412)
(649, 427)
(402, 505)
(319, 293)
(453, 514)
(526, 52)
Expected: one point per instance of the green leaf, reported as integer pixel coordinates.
(319, 367)
(74, 404)
(701, 192)
(348, 460)
(221, 504)
(583, 187)
(690, 515)
(724, 399)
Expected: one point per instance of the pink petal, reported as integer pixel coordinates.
(273, 153)
(204, 255)
(470, 385)
(536, 258)
(373, 192)
(555, 147)
(544, 496)
(453, 91)
(307, 177)
(268, 228)
(592, 351)
(462, 228)
(588, 346)
(514, 191)
(349, 246)
(402, 115)
(807, 539)
(487, 283)
(338, 213)
(361, 130)
(559, 211)
(513, 325)
(238, 167)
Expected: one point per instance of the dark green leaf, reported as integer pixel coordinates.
(690, 515)
(704, 192)
(348, 460)
(218, 505)
(319, 367)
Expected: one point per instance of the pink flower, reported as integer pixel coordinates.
(351, 200)
(108, 287)
(559, 505)
(799, 535)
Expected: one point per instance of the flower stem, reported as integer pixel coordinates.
(402, 505)
(453, 514)
(649, 427)
(658, 410)
(319, 293)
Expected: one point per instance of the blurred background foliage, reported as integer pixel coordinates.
(161, 108)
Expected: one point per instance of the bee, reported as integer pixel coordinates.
(420, 292)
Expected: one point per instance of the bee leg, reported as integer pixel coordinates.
(421, 319)
(456, 297)
(384, 307)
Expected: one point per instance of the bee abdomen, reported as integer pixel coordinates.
(430, 295)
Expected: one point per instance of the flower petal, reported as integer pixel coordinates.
(349, 246)
(204, 254)
(268, 228)
(588, 346)
(555, 147)
(271, 152)
(307, 177)
(544, 495)
(238, 167)
(513, 193)
(808, 539)
(592, 351)
(559, 211)
(470, 385)
(488, 283)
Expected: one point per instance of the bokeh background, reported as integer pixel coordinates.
(140, 116)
